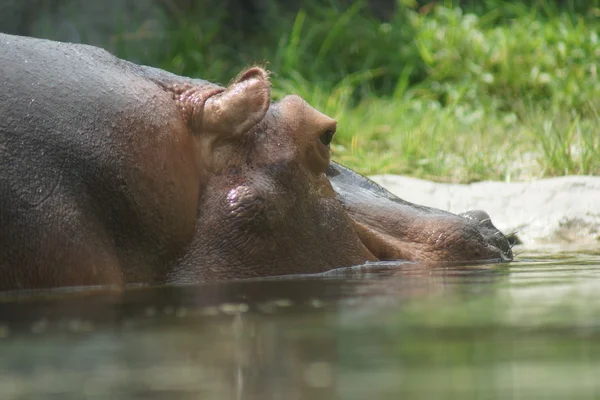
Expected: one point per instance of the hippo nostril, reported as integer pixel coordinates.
(327, 137)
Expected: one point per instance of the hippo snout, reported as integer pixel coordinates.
(482, 221)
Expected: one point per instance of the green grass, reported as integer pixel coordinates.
(490, 90)
(496, 99)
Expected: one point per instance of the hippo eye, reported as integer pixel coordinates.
(327, 137)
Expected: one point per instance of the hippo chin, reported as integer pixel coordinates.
(115, 173)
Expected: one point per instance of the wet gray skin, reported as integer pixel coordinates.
(523, 330)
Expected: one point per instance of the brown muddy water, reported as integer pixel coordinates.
(530, 329)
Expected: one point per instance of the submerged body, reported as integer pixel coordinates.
(114, 173)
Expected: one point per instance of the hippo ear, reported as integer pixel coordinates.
(239, 107)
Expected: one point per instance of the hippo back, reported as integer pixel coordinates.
(94, 161)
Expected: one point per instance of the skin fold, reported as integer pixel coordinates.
(115, 173)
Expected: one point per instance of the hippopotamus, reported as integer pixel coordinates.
(114, 173)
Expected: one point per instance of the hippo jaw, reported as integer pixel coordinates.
(394, 229)
(433, 240)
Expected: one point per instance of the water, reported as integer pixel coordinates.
(525, 330)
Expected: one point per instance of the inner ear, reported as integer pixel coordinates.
(239, 107)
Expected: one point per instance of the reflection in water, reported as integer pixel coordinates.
(527, 329)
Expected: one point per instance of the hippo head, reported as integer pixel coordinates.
(268, 207)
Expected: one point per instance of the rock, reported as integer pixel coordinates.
(556, 210)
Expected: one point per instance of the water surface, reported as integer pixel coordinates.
(523, 330)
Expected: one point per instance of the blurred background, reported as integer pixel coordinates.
(446, 90)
